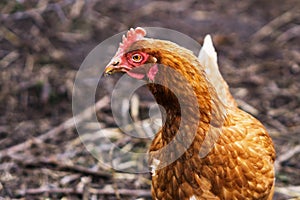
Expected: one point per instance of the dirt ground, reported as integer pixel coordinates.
(43, 43)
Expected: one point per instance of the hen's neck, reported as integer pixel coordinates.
(187, 97)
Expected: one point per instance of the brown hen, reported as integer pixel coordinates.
(207, 148)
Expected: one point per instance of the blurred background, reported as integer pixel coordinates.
(43, 43)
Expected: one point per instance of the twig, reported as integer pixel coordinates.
(10, 36)
(292, 191)
(68, 124)
(247, 107)
(162, 6)
(125, 192)
(286, 156)
(58, 165)
(8, 59)
(275, 24)
(77, 8)
(289, 34)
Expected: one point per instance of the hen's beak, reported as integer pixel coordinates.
(112, 68)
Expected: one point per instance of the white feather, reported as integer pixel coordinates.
(208, 58)
(154, 166)
(193, 197)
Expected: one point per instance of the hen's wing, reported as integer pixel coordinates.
(248, 151)
(208, 59)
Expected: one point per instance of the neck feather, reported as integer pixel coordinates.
(188, 99)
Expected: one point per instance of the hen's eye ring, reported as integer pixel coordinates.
(136, 57)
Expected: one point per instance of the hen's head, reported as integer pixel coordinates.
(140, 57)
(130, 58)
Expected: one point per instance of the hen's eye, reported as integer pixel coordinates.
(136, 57)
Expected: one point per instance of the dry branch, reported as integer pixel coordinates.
(286, 156)
(58, 165)
(8, 59)
(275, 24)
(292, 191)
(124, 192)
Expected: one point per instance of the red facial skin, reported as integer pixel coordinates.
(134, 64)
(136, 59)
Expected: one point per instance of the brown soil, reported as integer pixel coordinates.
(43, 43)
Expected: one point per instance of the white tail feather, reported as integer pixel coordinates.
(208, 58)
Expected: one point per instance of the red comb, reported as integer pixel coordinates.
(132, 36)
